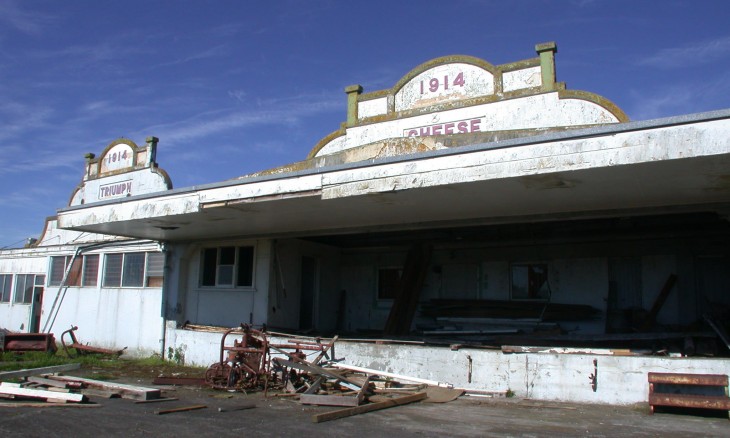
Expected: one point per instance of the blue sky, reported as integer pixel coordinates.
(233, 87)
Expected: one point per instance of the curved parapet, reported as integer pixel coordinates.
(462, 95)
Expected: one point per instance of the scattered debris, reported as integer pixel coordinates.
(38, 371)
(125, 391)
(236, 408)
(156, 400)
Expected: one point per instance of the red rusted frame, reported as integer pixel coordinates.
(84, 349)
(698, 401)
(29, 342)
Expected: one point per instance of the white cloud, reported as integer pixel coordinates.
(27, 22)
(689, 55)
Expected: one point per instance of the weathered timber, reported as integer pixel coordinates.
(393, 375)
(38, 371)
(42, 394)
(236, 408)
(181, 409)
(126, 391)
(47, 405)
(328, 400)
(157, 400)
(342, 413)
(699, 401)
(303, 365)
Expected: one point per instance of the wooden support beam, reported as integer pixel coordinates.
(38, 371)
(342, 413)
(303, 365)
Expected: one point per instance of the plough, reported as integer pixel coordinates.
(82, 349)
(247, 364)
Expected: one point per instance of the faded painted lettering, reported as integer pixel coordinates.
(449, 128)
(115, 190)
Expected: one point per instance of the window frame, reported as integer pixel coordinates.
(6, 288)
(143, 278)
(78, 276)
(242, 270)
(541, 294)
(398, 270)
(30, 283)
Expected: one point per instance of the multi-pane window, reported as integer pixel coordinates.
(6, 283)
(25, 284)
(133, 269)
(529, 281)
(83, 272)
(388, 282)
(227, 266)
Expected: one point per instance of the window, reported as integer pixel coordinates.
(25, 284)
(6, 282)
(388, 282)
(529, 281)
(133, 269)
(83, 272)
(227, 266)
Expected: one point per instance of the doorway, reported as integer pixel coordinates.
(310, 285)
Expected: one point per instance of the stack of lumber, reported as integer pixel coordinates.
(45, 387)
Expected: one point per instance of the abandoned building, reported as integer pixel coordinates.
(476, 224)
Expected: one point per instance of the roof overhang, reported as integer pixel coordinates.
(667, 165)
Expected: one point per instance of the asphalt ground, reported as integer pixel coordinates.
(283, 417)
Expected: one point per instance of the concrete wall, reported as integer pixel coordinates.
(540, 376)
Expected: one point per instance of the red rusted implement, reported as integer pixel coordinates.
(84, 349)
(699, 401)
(27, 342)
(243, 365)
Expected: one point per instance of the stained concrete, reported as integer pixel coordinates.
(276, 417)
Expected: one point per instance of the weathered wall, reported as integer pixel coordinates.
(224, 306)
(16, 316)
(539, 376)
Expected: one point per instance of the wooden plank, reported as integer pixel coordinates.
(688, 379)
(126, 391)
(47, 405)
(342, 413)
(39, 393)
(182, 409)
(393, 375)
(38, 371)
(690, 401)
(101, 393)
(46, 382)
(236, 408)
(157, 400)
(329, 400)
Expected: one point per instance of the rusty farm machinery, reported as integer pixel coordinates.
(247, 363)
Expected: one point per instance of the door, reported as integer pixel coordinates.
(37, 303)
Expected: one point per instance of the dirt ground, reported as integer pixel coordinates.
(276, 417)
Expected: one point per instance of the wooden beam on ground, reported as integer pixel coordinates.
(40, 393)
(342, 413)
(157, 400)
(126, 391)
(182, 409)
(38, 371)
(47, 405)
(328, 400)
